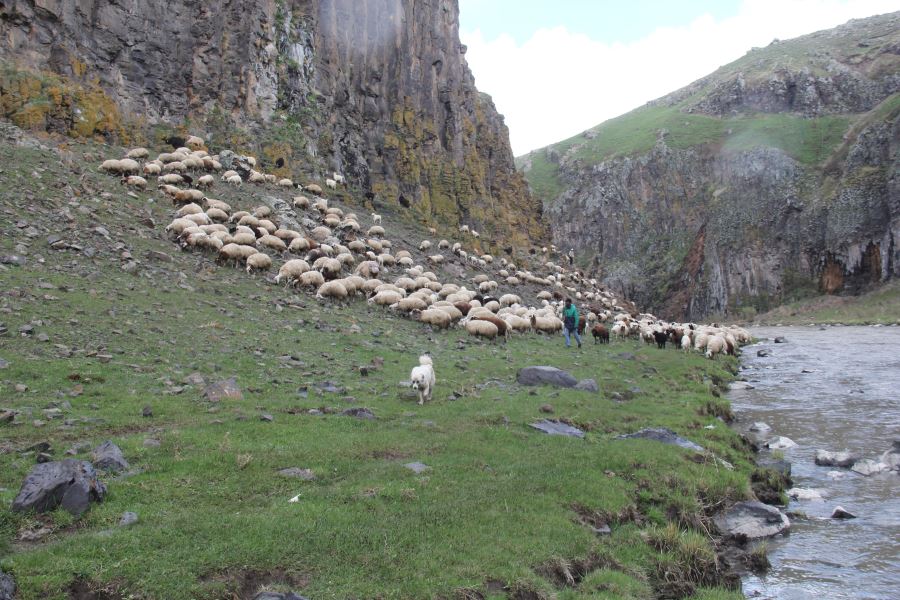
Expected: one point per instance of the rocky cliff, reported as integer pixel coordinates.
(378, 90)
(775, 177)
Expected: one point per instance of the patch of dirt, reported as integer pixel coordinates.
(86, 589)
(245, 585)
(388, 454)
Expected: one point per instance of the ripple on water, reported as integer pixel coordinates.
(849, 399)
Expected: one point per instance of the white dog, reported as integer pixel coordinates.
(422, 378)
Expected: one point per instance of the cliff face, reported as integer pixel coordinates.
(378, 90)
(778, 176)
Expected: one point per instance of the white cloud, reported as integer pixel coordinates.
(559, 83)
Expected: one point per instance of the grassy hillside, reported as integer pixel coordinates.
(121, 320)
(881, 306)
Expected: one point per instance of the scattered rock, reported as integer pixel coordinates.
(587, 385)
(71, 484)
(151, 443)
(780, 443)
(278, 596)
(869, 467)
(624, 356)
(545, 376)
(331, 387)
(842, 513)
(752, 520)
(546, 408)
(21, 388)
(760, 427)
(147, 412)
(128, 518)
(7, 416)
(13, 259)
(417, 467)
(359, 413)
(195, 379)
(891, 458)
(222, 390)
(763, 353)
(298, 473)
(780, 340)
(844, 459)
(7, 587)
(109, 457)
(3, 363)
(661, 434)
(266, 417)
(553, 427)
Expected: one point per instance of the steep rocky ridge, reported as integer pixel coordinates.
(376, 89)
(775, 177)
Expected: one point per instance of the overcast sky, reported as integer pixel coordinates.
(557, 67)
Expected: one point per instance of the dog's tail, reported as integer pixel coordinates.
(425, 360)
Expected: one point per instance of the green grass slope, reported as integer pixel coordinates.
(503, 511)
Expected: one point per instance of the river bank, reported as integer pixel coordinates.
(880, 306)
(832, 389)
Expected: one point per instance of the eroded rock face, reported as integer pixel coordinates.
(378, 90)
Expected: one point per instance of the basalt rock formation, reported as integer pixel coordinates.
(775, 177)
(378, 90)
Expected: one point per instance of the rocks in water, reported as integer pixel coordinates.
(298, 473)
(752, 520)
(780, 443)
(587, 385)
(740, 385)
(842, 513)
(7, 587)
(545, 376)
(760, 427)
(71, 484)
(553, 427)
(359, 413)
(227, 389)
(892, 457)
(128, 518)
(109, 457)
(805, 494)
(661, 434)
(763, 353)
(781, 340)
(417, 467)
(843, 459)
(869, 467)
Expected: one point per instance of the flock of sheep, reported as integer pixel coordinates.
(331, 254)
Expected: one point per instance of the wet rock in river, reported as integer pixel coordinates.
(843, 459)
(869, 467)
(752, 520)
(780, 443)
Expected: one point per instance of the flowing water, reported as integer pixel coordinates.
(829, 389)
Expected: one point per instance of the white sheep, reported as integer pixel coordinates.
(376, 219)
(424, 245)
(135, 181)
(301, 202)
(332, 289)
(234, 180)
(312, 279)
(205, 181)
(435, 317)
(285, 183)
(482, 328)
(385, 298)
(331, 183)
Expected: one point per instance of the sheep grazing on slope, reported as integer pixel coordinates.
(332, 289)
(435, 317)
(660, 337)
(482, 328)
(330, 183)
(258, 262)
(135, 181)
(292, 270)
(600, 333)
(715, 345)
(285, 183)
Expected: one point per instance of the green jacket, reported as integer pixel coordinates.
(571, 312)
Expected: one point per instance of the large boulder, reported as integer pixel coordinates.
(109, 457)
(71, 484)
(869, 467)
(545, 376)
(843, 459)
(661, 434)
(780, 443)
(752, 520)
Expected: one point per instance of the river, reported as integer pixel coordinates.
(829, 388)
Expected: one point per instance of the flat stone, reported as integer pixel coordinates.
(553, 427)
(842, 513)
(71, 484)
(278, 596)
(740, 385)
(222, 390)
(752, 520)
(331, 387)
(805, 494)
(661, 434)
(109, 457)
(587, 385)
(359, 413)
(544, 375)
(780, 443)
(266, 417)
(843, 459)
(760, 427)
(298, 473)
(151, 443)
(13, 259)
(624, 356)
(417, 467)
(869, 467)
(128, 518)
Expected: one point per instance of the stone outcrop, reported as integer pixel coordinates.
(70, 484)
(771, 179)
(378, 90)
